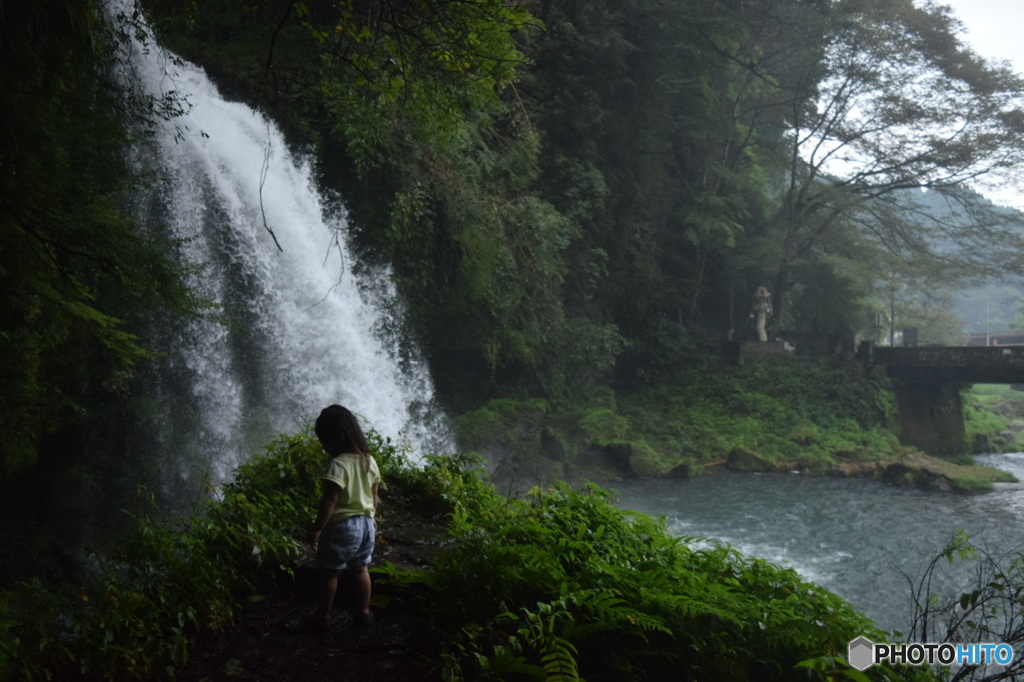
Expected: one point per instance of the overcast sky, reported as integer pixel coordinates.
(993, 27)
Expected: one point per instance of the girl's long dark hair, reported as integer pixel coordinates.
(339, 432)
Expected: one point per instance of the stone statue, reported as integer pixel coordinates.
(762, 312)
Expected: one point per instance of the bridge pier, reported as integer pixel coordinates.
(927, 382)
(931, 417)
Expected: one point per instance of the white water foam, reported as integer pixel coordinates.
(303, 330)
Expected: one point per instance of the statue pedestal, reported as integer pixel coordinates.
(738, 351)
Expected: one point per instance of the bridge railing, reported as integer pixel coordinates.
(963, 364)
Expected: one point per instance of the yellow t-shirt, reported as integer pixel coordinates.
(356, 476)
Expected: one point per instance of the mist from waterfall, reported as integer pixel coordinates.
(303, 326)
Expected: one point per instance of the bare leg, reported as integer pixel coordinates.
(361, 588)
(328, 588)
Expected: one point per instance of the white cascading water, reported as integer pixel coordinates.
(303, 330)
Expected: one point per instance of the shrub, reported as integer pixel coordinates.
(510, 424)
(564, 585)
(601, 425)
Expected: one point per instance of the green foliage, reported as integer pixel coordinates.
(828, 303)
(506, 423)
(981, 481)
(982, 422)
(485, 261)
(446, 484)
(426, 63)
(560, 584)
(75, 271)
(783, 410)
(602, 425)
(564, 585)
(803, 413)
(988, 412)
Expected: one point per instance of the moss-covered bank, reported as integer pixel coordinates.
(819, 417)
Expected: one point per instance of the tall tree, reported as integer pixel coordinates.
(888, 99)
(644, 154)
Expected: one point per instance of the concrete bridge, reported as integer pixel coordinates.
(927, 382)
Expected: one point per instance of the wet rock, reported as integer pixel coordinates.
(855, 470)
(682, 472)
(916, 475)
(613, 456)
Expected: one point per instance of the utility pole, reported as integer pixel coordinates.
(892, 315)
(988, 336)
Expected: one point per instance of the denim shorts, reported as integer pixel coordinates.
(346, 544)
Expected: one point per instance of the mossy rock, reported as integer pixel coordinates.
(524, 472)
(929, 473)
(742, 459)
(612, 456)
(551, 446)
(684, 471)
(627, 458)
(644, 460)
(854, 469)
(916, 476)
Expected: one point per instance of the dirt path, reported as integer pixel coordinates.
(259, 647)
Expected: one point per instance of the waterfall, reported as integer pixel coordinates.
(304, 326)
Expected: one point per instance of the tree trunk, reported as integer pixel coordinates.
(779, 295)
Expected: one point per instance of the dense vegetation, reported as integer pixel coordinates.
(585, 195)
(559, 584)
(794, 414)
(577, 200)
(572, 197)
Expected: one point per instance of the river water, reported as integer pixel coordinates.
(851, 536)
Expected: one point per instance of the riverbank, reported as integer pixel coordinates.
(817, 417)
(910, 469)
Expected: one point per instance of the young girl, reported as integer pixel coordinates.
(345, 530)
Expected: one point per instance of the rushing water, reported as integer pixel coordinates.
(302, 326)
(851, 536)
